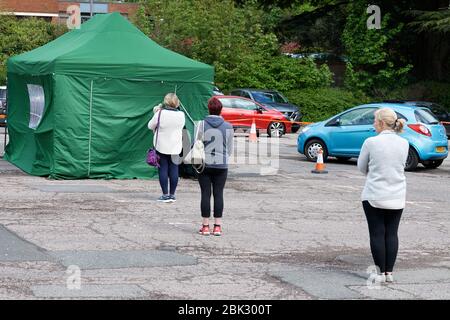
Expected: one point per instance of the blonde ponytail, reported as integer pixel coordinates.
(389, 118)
(399, 124)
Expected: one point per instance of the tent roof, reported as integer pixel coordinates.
(109, 45)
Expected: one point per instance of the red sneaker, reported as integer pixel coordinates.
(204, 230)
(217, 231)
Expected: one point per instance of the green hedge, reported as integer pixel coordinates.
(320, 104)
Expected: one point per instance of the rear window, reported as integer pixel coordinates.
(400, 116)
(425, 116)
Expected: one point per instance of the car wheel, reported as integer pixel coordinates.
(276, 129)
(312, 149)
(412, 161)
(343, 158)
(432, 164)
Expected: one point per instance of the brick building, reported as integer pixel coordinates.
(55, 10)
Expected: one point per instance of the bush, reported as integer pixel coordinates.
(240, 44)
(320, 104)
(372, 53)
(277, 72)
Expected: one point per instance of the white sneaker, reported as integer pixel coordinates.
(378, 278)
(389, 277)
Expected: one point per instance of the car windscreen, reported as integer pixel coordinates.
(2, 94)
(268, 97)
(425, 116)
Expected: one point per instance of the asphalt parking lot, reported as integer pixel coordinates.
(288, 234)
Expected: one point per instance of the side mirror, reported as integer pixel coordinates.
(259, 109)
(335, 122)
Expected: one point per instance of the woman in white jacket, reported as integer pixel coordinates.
(383, 160)
(169, 143)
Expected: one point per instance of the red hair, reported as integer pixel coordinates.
(214, 106)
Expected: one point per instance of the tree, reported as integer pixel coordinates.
(372, 57)
(22, 35)
(240, 44)
(433, 32)
(431, 21)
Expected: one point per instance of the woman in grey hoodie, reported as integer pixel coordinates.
(218, 140)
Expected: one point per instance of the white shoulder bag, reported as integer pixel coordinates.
(196, 157)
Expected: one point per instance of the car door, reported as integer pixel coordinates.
(264, 116)
(247, 111)
(350, 130)
(229, 113)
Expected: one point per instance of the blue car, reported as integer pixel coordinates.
(342, 136)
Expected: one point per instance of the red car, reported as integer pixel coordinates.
(240, 112)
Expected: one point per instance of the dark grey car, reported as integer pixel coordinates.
(272, 99)
(2, 106)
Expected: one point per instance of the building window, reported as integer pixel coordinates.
(96, 8)
(37, 103)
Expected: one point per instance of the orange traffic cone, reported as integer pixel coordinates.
(320, 167)
(253, 137)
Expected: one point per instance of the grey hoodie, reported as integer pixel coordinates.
(218, 140)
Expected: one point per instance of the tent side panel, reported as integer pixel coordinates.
(120, 113)
(71, 137)
(30, 124)
(120, 137)
(194, 98)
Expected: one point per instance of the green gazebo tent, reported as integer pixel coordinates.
(78, 106)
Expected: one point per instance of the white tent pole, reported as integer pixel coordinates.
(90, 129)
(187, 113)
(181, 105)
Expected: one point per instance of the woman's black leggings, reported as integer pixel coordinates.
(383, 228)
(167, 171)
(216, 179)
